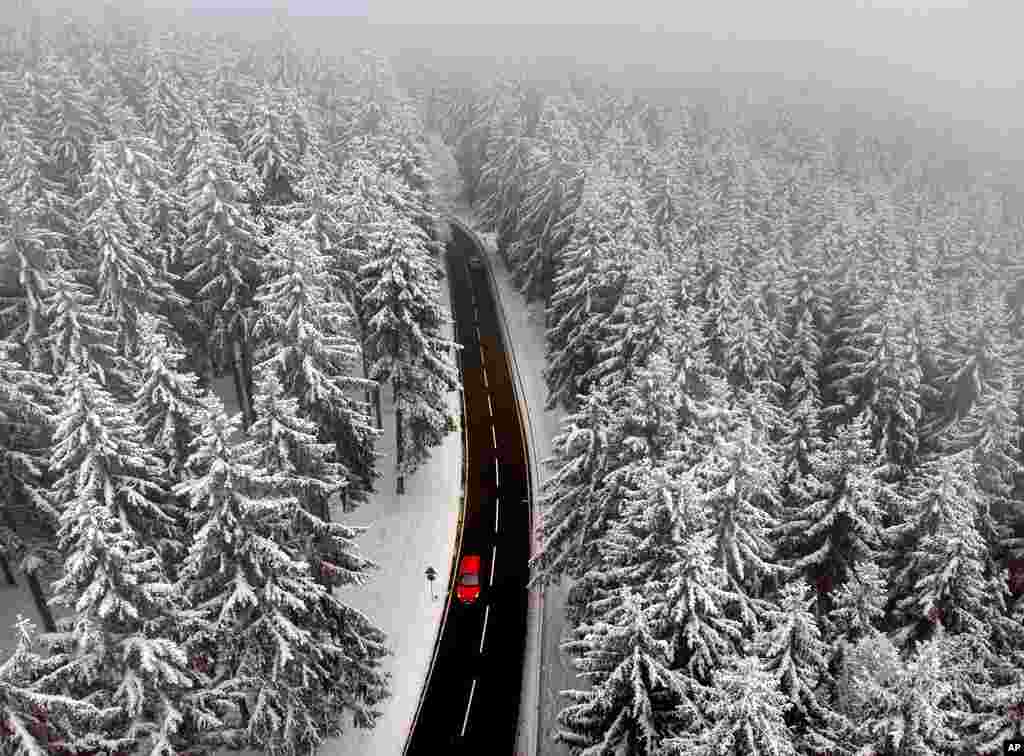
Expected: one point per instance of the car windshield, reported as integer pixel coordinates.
(470, 579)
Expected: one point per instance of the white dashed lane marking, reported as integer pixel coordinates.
(483, 633)
(490, 407)
(494, 559)
(494, 438)
(497, 506)
(469, 706)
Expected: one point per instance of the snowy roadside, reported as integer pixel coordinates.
(406, 534)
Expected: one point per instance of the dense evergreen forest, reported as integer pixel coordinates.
(177, 207)
(787, 490)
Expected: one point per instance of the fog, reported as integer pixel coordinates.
(945, 69)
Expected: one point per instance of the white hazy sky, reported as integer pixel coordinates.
(973, 43)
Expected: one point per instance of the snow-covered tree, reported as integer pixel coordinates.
(221, 250)
(272, 635)
(878, 372)
(740, 479)
(901, 707)
(79, 333)
(940, 573)
(118, 240)
(574, 512)
(794, 653)
(305, 336)
(71, 126)
(35, 717)
(634, 699)
(165, 102)
(636, 328)
(285, 446)
(747, 712)
(271, 148)
(403, 317)
(837, 524)
(698, 601)
(121, 647)
(167, 401)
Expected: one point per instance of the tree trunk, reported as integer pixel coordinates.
(399, 455)
(40, 601)
(6, 567)
(237, 374)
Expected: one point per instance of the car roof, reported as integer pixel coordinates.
(471, 561)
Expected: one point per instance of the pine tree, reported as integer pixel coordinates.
(574, 509)
(221, 250)
(794, 653)
(581, 299)
(272, 636)
(403, 317)
(127, 283)
(740, 479)
(636, 329)
(879, 373)
(747, 714)
(837, 523)
(167, 401)
(79, 333)
(272, 150)
(940, 558)
(71, 127)
(35, 718)
(699, 600)
(632, 704)
(286, 447)
(901, 707)
(121, 649)
(165, 103)
(306, 339)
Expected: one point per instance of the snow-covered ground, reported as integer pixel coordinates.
(406, 534)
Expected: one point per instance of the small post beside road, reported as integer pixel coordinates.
(431, 574)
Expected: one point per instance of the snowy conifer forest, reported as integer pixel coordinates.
(178, 207)
(787, 489)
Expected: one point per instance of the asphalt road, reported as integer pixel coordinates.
(472, 696)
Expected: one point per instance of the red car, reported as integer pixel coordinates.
(467, 587)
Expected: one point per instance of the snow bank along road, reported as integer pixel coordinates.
(471, 700)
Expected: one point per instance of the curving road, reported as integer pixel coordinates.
(471, 700)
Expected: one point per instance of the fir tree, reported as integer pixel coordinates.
(35, 718)
(747, 714)
(574, 509)
(838, 522)
(794, 653)
(403, 318)
(632, 704)
(272, 636)
(901, 707)
(121, 648)
(167, 401)
(940, 575)
(306, 340)
(740, 480)
(221, 249)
